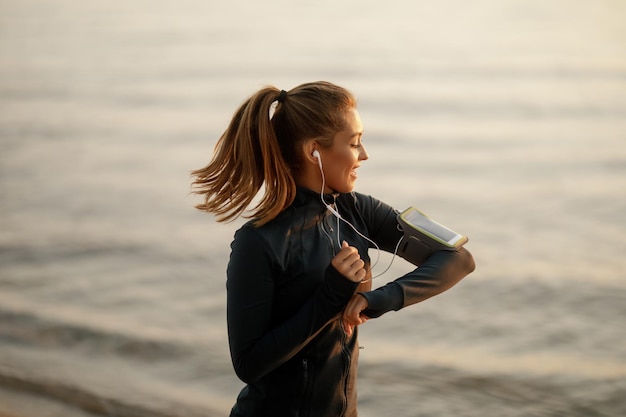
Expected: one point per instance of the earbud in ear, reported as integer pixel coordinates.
(316, 154)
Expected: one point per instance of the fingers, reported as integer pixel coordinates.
(354, 320)
(349, 263)
(353, 313)
(348, 328)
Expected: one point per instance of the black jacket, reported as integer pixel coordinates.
(285, 299)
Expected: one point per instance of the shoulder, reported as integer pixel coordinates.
(271, 233)
(246, 235)
(366, 204)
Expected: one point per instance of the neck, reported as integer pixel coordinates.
(312, 180)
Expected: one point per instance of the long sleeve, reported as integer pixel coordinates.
(441, 271)
(258, 346)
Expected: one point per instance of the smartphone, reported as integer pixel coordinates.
(418, 225)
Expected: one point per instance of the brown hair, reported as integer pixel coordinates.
(257, 151)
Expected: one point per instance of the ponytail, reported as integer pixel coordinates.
(258, 152)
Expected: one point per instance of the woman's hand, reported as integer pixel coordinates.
(348, 263)
(353, 313)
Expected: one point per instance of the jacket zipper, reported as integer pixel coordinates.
(328, 231)
(305, 385)
(305, 365)
(324, 224)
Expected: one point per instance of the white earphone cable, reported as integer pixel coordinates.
(335, 212)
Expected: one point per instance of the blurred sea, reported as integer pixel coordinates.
(504, 119)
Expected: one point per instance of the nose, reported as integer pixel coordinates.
(363, 155)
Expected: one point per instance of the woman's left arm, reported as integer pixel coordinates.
(439, 272)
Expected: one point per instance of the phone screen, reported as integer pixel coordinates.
(440, 231)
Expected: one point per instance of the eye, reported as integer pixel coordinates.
(357, 141)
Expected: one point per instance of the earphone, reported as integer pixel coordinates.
(317, 155)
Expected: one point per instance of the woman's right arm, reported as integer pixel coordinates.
(256, 347)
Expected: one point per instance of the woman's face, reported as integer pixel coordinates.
(342, 159)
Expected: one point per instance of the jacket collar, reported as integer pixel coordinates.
(305, 196)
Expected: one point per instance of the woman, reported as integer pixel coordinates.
(299, 278)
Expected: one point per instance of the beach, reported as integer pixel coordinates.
(504, 120)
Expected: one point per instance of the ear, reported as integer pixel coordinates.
(307, 148)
